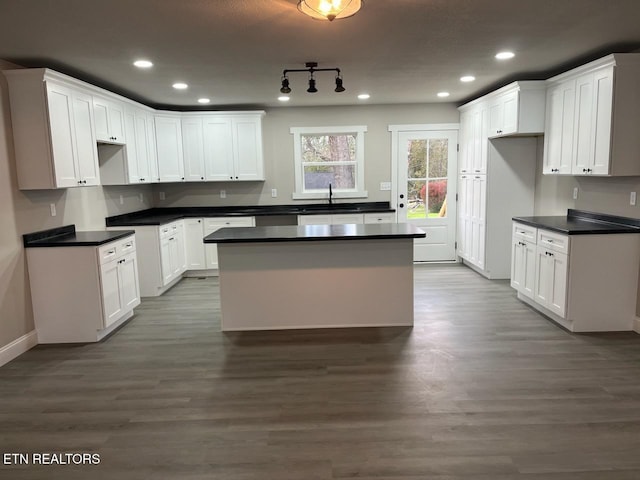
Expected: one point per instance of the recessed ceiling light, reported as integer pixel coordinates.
(443, 94)
(143, 64)
(505, 55)
(467, 78)
(203, 100)
(284, 98)
(364, 96)
(180, 86)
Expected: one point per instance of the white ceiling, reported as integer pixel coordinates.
(234, 51)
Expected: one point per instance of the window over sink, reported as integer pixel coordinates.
(329, 157)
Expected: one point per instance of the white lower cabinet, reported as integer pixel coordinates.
(81, 294)
(194, 233)
(172, 251)
(215, 223)
(586, 283)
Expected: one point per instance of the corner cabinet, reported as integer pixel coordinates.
(53, 130)
(83, 293)
(586, 283)
(223, 146)
(593, 116)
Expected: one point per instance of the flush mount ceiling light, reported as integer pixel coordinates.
(204, 100)
(311, 69)
(329, 9)
(443, 94)
(143, 64)
(180, 86)
(467, 78)
(505, 55)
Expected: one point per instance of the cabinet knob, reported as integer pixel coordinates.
(236, 178)
(201, 178)
(182, 178)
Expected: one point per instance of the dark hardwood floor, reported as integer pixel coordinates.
(481, 388)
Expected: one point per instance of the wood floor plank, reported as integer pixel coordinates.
(482, 387)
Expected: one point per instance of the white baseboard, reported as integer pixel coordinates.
(18, 347)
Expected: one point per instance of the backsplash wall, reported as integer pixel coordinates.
(278, 152)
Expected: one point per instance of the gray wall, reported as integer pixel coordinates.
(29, 211)
(554, 194)
(278, 150)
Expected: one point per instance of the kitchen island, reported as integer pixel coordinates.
(316, 276)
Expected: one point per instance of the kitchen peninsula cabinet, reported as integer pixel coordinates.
(581, 270)
(593, 114)
(53, 130)
(84, 285)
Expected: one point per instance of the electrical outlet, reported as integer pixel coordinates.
(632, 198)
(575, 193)
(223, 194)
(141, 198)
(384, 186)
(162, 196)
(121, 200)
(53, 209)
(274, 192)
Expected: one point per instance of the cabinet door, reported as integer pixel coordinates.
(509, 113)
(466, 141)
(195, 248)
(558, 289)
(218, 149)
(169, 149)
(523, 271)
(143, 155)
(128, 279)
(559, 129)
(116, 122)
(583, 138)
(131, 148)
(481, 140)
(247, 142)
(544, 277)
(165, 261)
(101, 118)
(180, 249)
(193, 149)
(112, 301)
(85, 140)
(602, 120)
(59, 102)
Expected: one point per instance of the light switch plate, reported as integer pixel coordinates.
(575, 193)
(53, 209)
(162, 195)
(385, 186)
(632, 198)
(223, 194)
(274, 192)
(121, 200)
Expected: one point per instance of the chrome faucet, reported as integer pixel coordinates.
(330, 195)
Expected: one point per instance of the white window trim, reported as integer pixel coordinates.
(359, 192)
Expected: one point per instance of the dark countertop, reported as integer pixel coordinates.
(68, 237)
(300, 233)
(160, 216)
(578, 222)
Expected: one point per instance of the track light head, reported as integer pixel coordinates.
(285, 85)
(312, 86)
(339, 87)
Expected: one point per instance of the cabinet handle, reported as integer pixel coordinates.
(236, 178)
(401, 205)
(477, 176)
(477, 171)
(182, 178)
(198, 221)
(111, 252)
(589, 170)
(128, 245)
(463, 171)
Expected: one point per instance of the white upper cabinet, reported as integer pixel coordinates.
(169, 148)
(193, 149)
(593, 119)
(474, 137)
(109, 120)
(517, 109)
(223, 147)
(54, 137)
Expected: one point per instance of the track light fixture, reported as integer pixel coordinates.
(311, 69)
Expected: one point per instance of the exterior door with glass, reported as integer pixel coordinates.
(426, 190)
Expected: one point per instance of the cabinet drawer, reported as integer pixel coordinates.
(553, 241)
(169, 229)
(525, 232)
(380, 217)
(230, 222)
(108, 252)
